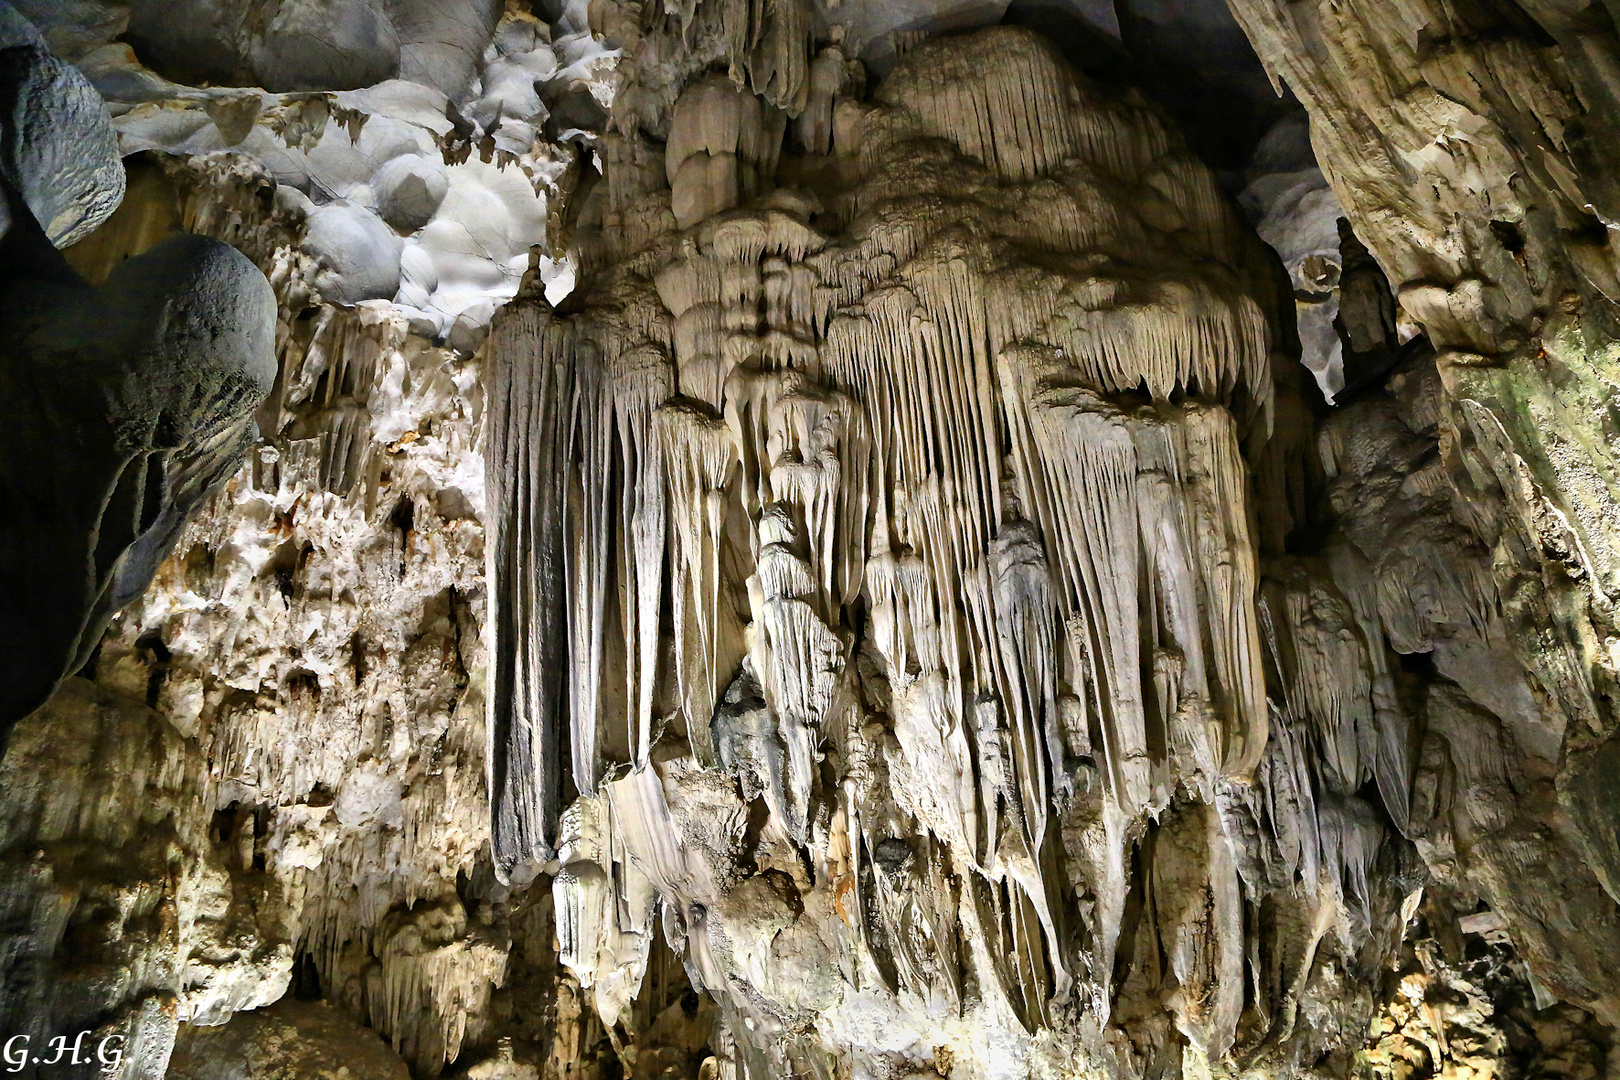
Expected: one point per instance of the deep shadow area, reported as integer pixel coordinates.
(1191, 58)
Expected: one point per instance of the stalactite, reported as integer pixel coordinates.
(700, 453)
(978, 688)
(527, 446)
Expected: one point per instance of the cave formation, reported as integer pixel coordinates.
(741, 539)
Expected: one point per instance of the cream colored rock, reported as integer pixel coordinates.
(959, 688)
(290, 1040)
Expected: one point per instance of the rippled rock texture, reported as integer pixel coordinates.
(918, 509)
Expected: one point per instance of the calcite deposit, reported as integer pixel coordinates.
(862, 541)
(1481, 179)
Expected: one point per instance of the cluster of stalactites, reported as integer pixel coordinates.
(921, 439)
(1028, 115)
(580, 535)
(1139, 511)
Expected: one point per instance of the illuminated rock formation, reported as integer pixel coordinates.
(944, 453)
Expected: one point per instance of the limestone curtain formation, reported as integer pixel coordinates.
(876, 585)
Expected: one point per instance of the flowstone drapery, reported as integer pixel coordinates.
(876, 584)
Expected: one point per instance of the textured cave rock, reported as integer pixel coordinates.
(426, 184)
(128, 900)
(1405, 749)
(909, 612)
(1482, 181)
(308, 46)
(290, 1040)
(126, 405)
(943, 440)
(313, 649)
(1295, 212)
(56, 149)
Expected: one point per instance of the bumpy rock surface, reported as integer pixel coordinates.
(152, 380)
(1482, 177)
(128, 899)
(57, 151)
(290, 1040)
(416, 147)
(955, 750)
